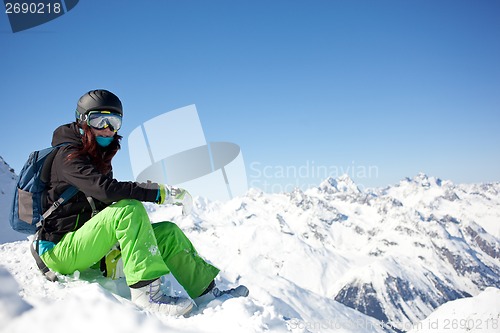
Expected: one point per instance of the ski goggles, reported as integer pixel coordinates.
(100, 120)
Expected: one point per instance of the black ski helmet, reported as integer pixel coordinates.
(98, 100)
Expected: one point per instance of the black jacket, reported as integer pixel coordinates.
(80, 173)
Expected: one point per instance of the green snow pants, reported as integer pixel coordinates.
(149, 251)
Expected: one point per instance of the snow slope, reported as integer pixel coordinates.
(86, 301)
(333, 258)
(475, 314)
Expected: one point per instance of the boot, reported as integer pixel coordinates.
(213, 293)
(152, 298)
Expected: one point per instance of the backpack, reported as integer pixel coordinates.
(26, 214)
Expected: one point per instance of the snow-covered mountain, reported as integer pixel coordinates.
(420, 244)
(332, 258)
(7, 183)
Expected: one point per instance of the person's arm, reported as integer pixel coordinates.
(80, 173)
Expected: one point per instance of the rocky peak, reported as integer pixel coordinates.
(342, 184)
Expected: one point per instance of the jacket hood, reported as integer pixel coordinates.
(69, 133)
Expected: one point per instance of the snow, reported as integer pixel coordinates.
(307, 257)
(7, 185)
(474, 314)
(87, 301)
(11, 304)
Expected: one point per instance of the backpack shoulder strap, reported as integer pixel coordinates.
(45, 177)
(66, 195)
(51, 276)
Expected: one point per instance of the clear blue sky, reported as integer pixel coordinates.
(385, 88)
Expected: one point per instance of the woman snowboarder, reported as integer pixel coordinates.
(75, 237)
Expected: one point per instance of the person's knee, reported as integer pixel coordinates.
(130, 205)
(126, 202)
(169, 230)
(167, 227)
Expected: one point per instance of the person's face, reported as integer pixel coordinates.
(106, 132)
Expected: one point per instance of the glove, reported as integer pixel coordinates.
(170, 195)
